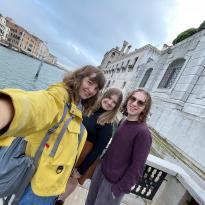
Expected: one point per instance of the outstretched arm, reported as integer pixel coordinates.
(6, 111)
(25, 112)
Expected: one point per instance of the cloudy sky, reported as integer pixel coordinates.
(79, 32)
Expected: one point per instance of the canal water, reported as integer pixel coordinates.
(18, 70)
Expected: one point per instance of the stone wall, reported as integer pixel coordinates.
(178, 114)
(178, 111)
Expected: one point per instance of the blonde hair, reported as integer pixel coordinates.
(109, 116)
(73, 81)
(148, 102)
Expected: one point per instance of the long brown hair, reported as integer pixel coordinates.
(73, 81)
(148, 102)
(109, 116)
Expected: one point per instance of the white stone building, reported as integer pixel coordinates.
(4, 30)
(43, 51)
(122, 68)
(175, 77)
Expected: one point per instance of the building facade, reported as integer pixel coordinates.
(51, 59)
(4, 30)
(122, 68)
(175, 78)
(21, 40)
(30, 44)
(15, 35)
(43, 51)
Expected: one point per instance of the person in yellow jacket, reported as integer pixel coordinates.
(32, 113)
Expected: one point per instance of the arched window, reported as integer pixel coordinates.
(135, 61)
(113, 54)
(171, 73)
(124, 83)
(108, 84)
(131, 66)
(108, 63)
(127, 63)
(146, 77)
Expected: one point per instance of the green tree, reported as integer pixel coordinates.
(185, 34)
(202, 26)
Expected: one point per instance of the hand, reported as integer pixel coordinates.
(113, 196)
(76, 174)
(6, 111)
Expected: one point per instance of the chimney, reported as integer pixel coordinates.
(165, 46)
(128, 48)
(125, 43)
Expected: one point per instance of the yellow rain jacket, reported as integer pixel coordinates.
(35, 113)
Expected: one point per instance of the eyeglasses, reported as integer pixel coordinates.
(140, 103)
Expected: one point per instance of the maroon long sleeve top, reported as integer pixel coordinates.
(124, 161)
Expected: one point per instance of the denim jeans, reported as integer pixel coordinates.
(29, 198)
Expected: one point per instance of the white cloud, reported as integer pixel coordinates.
(185, 15)
(74, 47)
(81, 32)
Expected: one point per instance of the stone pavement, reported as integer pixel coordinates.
(78, 197)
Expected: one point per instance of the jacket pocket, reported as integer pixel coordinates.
(59, 167)
(51, 176)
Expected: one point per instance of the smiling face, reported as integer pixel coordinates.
(87, 88)
(136, 105)
(109, 103)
